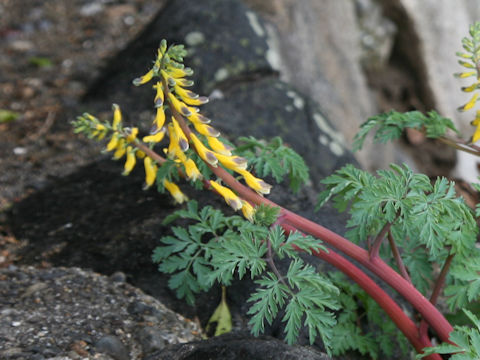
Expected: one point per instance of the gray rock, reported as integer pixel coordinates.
(112, 346)
(151, 339)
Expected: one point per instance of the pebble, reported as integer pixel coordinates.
(91, 9)
(112, 346)
(150, 339)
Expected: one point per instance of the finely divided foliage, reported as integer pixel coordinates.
(421, 215)
(215, 248)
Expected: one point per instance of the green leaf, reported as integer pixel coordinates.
(274, 159)
(8, 116)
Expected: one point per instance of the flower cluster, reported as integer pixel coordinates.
(191, 137)
(470, 59)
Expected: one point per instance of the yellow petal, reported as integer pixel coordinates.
(112, 144)
(117, 117)
(150, 172)
(143, 79)
(182, 139)
(228, 195)
(175, 191)
(155, 138)
(255, 183)
(133, 132)
(206, 155)
(178, 105)
(248, 210)
(130, 162)
(466, 64)
(120, 149)
(219, 147)
(191, 170)
(195, 117)
(159, 117)
(179, 73)
(206, 130)
(174, 151)
(466, 74)
(234, 162)
(471, 87)
(471, 103)
(159, 95)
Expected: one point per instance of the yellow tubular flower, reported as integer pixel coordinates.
(150, 172)
(133, 132)
(234, 162)
(100, 131)
(184, 82)
(189, 97)
(112, 144)
(130, 162)
(179, 105)
(174, 151)
(470, 88)
(230, 197)
(117, 117)
(198, 118)
(182, 139)
(476, 122)
(155, 138)
(206, 130)
(248, 210)
(140, 154)
(206, 155)
(159, 95)
(175, 191)
(466, 74)
(179, 73)
(255, 183)
(159, 117)
(120, 149)
(143, 79)
(471, 103)
(219, 147)
(191, 170)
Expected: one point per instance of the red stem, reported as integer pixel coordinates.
(431, 314)
(403, 322)
(398, 258)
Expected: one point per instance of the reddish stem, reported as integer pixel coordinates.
(436, 291)
(398, 258)
(374, 251)
(403, 322)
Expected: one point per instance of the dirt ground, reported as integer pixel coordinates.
(50, 51)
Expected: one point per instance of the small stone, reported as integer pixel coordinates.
(19, 150)
(91, 9)
(118, 277)
(16, 323)
(112, 346)
(21, 45)
(150, 339)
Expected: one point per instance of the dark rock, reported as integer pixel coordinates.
(112, 346)
(237, 346)
(151, 339)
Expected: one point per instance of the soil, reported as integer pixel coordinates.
(50, 52)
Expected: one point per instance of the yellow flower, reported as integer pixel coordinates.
(120, 149)
(182, 139)
(100, 131)
(155, 138)
(159, 118)
(133, 132)
(189, 97)
(195, 117)
(117, 117)
(159, 95)
(174, 149)
(179, 73)
(184, 82)
(150, 172)
(130, 162)
(112, 144)
(248, 210)
(470, 104)
(175, 191)
(471, 87)
(206, 155)
(230, 197)
(143, 79)
(219, 147)
(255, 183)
(476, 122)
(233, 162)
(466, 64)
(466, 74)
(206, 130)
(191, 170)
(179, 105)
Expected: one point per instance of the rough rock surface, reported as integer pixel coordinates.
(71, 313)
